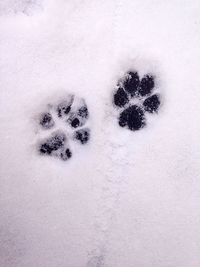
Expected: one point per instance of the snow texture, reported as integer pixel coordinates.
(126, 198)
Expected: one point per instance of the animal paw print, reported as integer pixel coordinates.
(64, 122)
(135, 98)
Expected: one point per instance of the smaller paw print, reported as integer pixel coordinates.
(135, 98)
(64, 123)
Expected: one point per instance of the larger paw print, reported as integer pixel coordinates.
(63, 122)
(135, 97)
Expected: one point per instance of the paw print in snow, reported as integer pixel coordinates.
(64, 122)
(135, 97)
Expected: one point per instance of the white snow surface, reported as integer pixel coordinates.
(126, 199)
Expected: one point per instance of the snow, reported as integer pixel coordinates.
(127, 198)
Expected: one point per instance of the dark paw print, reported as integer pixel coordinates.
(46, 120)
(135, 97)
(72, 116)
(52, 144)
(82, 135)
